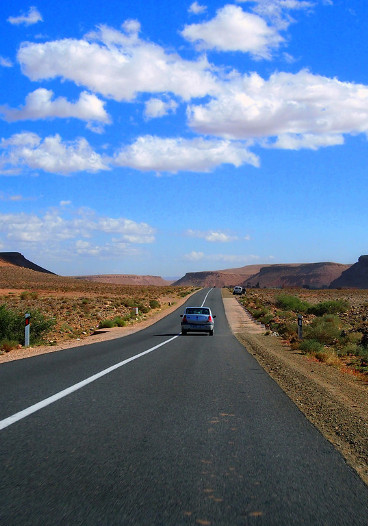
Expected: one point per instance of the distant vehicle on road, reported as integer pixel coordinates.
(197, 319)
(238, 290)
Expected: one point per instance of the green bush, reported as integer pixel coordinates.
(328, 307)
(12, 325)
(106, 324)
(291, 303)
(325, 330)
(311, 346)
(154, 304)
(118, 321)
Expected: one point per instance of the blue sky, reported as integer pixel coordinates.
(157, 138)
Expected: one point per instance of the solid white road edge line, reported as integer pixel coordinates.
(40, 405)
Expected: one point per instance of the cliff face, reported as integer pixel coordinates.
(16, 259)
(354, 277)
(313, 275)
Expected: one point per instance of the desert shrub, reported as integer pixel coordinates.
(291, 303)
(143, 308)
(325, 330)
(267, 318)
(118, 321)
(310, 346)
(328, 307)
(7, 345)
(129, 302)
(12, 325)
(28, 295)
(154, 304)
(349, 349)
(106, 324)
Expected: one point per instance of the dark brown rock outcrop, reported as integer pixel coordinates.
(354, 277)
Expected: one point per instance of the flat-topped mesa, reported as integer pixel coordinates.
(17, 259)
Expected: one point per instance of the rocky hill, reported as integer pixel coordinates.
(16, 259)
(219, 278)
(308, 275)
(312, 275)
(126, 279)
(354, 277)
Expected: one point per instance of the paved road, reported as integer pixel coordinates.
(193, 432)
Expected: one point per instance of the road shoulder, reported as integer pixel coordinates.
(335, 402)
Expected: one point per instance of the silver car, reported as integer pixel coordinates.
(197, 319)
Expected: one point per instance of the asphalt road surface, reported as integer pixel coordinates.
(191, 432)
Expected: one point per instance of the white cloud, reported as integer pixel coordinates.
(52, 155)
(5, 62)
(307, 141)
(149, 153)
(197, 9)
(83, 226)
(232, 29)
(39, 105)
(194, 256)
(32, 17)
(300, 109)
(277, 11)
(159, 108)
(211, 236)
(117, 64)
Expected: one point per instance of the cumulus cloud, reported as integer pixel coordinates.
(51, 154)
(150, 153)
(39, 105)
(32, 17)
(88, 231)
(233, 29)
(300, 109)
(117, 64)
(211, 236)
(197, 9)
(159, 108)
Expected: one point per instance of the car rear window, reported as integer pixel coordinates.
(197, 310)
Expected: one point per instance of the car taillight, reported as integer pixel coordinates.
(210, 318)
(184, 319)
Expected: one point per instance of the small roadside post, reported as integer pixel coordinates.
(300, 327)
(27, 328)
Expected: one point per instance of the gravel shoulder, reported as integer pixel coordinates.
(334, 401)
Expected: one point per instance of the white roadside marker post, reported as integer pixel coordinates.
(27, 328)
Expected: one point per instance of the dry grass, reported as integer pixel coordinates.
(78, 307)
(345, 349)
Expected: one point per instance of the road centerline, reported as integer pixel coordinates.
(6, 422)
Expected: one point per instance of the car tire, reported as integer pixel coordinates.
(211, 333)
(184, 333)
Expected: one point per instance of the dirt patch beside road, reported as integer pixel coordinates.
(335, 402)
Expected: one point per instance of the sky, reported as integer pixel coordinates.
(153, 137)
